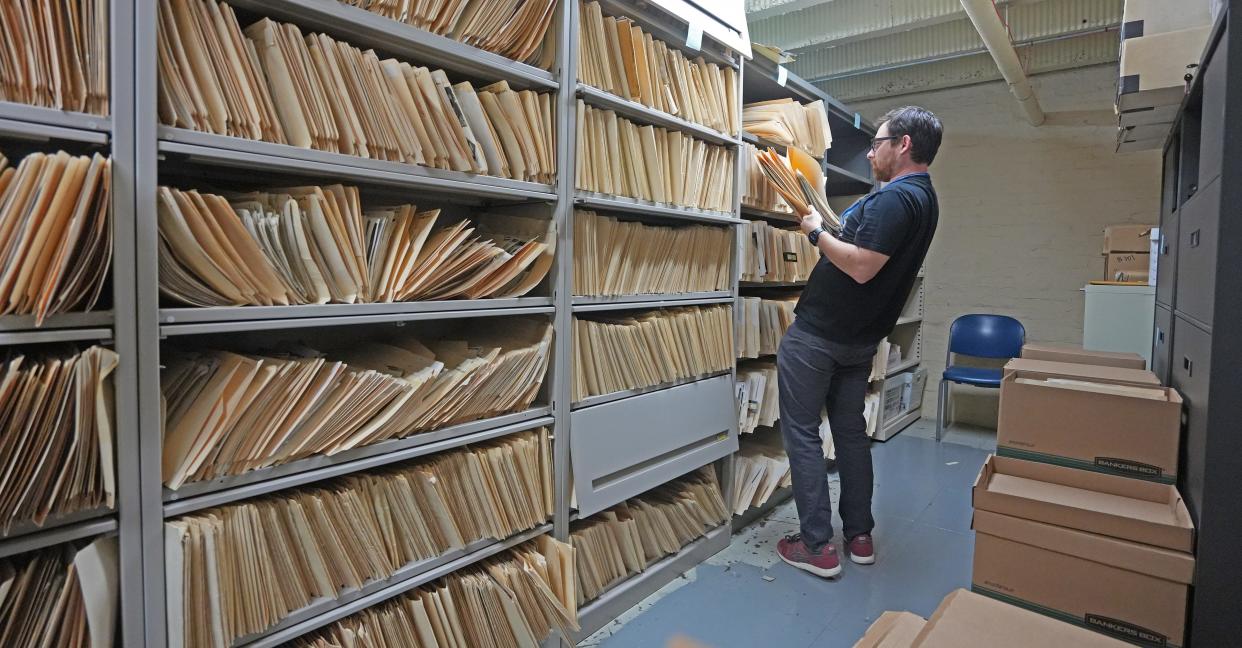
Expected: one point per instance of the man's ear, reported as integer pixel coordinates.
(907, 144)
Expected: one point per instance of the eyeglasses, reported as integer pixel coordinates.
(875, 141)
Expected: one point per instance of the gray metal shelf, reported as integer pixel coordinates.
(756, 513)
(671, 300)
(907, 364)
(911, 319)
(37, 122)
(40, 336)
(638, 112)
(411, 315)
(365, 29)
(769, 214)
(222, 150)
(325, 611)
(634, 206)
(94, 319)
(840, 181)
(772, 284)
(466, 307)
(54, 535)
(592, 401)
(200, 495)
(614, 602)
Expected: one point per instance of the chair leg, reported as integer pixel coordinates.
(941, 406)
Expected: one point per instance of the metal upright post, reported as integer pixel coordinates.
(124, 326)
(146, 174)
(727, 476)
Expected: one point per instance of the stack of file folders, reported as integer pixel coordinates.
(761, 467)
(314, 245)
(273, 83)
(615, 257)
(56, 54)
(288, 549)
(621, 158)
(619, 352)
(758, 191)
(626, 539)
(789, 123)
(758, 396)
(761, 323)
(616, 55)
(228, 413)
(517, 29)
(773, 255)
(514, 599)
(56, 433)
(65, 595)
(55, 233)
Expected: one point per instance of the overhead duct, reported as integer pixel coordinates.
(995, 36)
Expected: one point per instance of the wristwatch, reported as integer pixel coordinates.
(813, 235)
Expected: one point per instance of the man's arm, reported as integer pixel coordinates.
(861, 264)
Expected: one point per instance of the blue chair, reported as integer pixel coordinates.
(980, 336)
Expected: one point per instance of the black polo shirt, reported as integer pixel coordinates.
(899, 221)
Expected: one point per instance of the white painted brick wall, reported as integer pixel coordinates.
(1022, 210)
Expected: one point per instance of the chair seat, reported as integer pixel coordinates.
(977, 376)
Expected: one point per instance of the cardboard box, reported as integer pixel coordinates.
(1154, 67)
(968, 620)
(1078, 355)
(892, 630)
(1147, 116)
(1127, 238)
(1124, 589)
(1084, 371)
(1146, 17)
(1127, 266)
(1117, 507)
(1076, 425)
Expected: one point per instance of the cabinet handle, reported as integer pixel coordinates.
(1194, 239)
(1188, 365)
(1160, 335)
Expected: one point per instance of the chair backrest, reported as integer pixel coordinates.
(986, 336)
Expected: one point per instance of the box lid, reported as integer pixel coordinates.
(1078, 355)
(1158, 562)
(968, 620)
(1083, 371)
(892, 630)
(1119, 507)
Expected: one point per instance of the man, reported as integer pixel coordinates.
(852, 301)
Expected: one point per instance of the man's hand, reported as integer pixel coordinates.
(811, 221)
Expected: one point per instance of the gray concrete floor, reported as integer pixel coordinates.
(745, 596)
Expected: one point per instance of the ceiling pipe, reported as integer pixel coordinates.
(995, 36)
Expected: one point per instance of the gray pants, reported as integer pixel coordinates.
(814, 373)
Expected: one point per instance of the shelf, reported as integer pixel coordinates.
(769, 214)
(230, 321)
(628, 302)
(907, 364)
(669, 25)
(197, 315)
(41, 336)
(592, 401)
(842, 182)
(772, 284)
(365, 29)
(764, 356)
(634, 206)
(760, 142)
(325, 611)
(88, 524)
(755, 513)
(196, 496)
(902, 321)
(891, 428)
(593, 96)
(235, 152)
(21, 121)
(630, 592)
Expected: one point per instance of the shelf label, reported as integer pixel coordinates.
(694, 37)
(857, 120)
(782, 75)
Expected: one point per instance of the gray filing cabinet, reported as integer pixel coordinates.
(1197, 338)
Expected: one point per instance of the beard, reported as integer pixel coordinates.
(881, 172)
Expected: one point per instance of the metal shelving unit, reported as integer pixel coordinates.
(756, 513)
(635, 111)
(590, 200)
(909, 333)
(628, 302)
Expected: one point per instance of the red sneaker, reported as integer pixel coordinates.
(823, 563)
(861, 549)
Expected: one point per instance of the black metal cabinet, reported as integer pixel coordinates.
(1197, 344)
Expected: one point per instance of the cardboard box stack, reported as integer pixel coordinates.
(1127, 253)
(1160, 41)
(1078, 517)
(967, 620)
